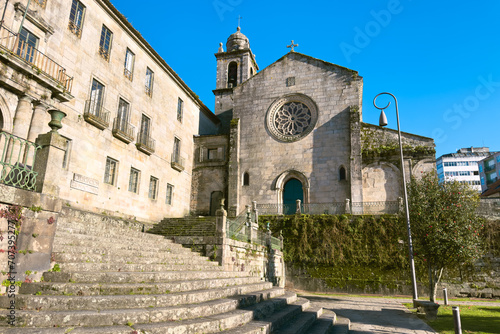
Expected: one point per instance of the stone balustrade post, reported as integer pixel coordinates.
(298, 209)
(49, 158)
(347, 206)
(221, 225)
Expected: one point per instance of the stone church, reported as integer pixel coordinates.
(294, 130)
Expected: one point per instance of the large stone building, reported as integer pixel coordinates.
(138, 142)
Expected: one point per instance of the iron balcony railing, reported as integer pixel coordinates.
(177, 162)
(74, 28)
(17, 161)
(123, 130)
(40, 62)
(95, 114)
(145, 143)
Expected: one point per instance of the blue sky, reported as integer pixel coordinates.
(441, 58)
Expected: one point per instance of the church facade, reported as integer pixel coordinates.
(293, 131)
(138, 142)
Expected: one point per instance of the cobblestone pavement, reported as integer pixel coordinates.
(372, 315)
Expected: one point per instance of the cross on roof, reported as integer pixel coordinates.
(239, 20)
(292, 46)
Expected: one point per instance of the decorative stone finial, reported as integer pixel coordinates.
(292, 46)
(221, 49)
(56, 117)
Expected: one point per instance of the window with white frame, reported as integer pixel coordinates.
(133, 182)
(110, 172)
(26, 47)
(153, 187)
(96, 98)
(129, 64)
(76, 16)
(123, 115)
(170, 194)
(177, 150)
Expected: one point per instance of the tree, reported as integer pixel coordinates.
(446, 230)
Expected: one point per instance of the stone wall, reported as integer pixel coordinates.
(36, 234)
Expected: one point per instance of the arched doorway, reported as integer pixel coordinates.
(292, 191)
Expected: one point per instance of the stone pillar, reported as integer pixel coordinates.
(50, 157)
(234, 168)
(298, 209)
(39, 121)
(22, 117)
(347, 206)
(221, 221)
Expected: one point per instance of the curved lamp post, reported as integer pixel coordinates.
(383, 122)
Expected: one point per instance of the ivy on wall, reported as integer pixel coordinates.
(365, 251)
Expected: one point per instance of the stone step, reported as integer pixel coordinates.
(79, 266)
(324, 324)
(248, 294)
(94, 289)
(342, 326)
(145, 258)
(68, 238)
(91, 247)
(302, 322)
(276, 316)
(116, 234)
(120, 316)
(137, 277)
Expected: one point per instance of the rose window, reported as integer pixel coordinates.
(291, 118)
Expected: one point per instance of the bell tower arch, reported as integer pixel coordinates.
(234, 66)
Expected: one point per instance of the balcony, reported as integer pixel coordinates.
(177, 162)
(123, 130)
(489, 165)
(96, 115)
(40, 63)
(145, 143)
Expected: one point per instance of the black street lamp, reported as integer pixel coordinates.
(383, 122)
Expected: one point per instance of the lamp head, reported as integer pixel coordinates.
(382, 121)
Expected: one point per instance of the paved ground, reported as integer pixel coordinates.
(373, 315)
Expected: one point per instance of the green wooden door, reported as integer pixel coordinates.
(291, 193)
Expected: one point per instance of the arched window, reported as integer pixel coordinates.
(342, 175)
(246, 179)
(232, 75)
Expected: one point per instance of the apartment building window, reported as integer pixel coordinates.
(27, 45)
(170, 194)
(180, 106)
(110, 172)
(149, 82)
(105, 42)
(133, 182)
(153, 187)
(96, 98)
(76, 18)
(129, 64)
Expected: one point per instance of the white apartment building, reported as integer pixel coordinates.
(462, 166)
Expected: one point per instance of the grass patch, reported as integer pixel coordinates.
(475, 319)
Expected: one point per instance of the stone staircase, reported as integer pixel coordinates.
(115, 279)
(188, 226)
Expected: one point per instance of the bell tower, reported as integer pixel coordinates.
(234, 66)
